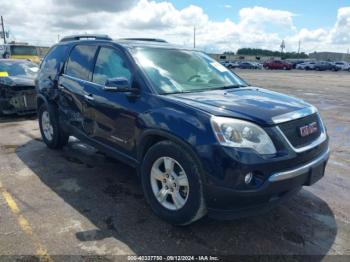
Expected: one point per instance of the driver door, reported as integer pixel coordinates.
(114, 113)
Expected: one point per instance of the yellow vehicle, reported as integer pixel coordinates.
(22, 51)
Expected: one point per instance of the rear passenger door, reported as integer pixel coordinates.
(73, 84)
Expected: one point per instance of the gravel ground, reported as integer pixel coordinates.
(77, 202)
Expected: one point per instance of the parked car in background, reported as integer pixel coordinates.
(248, 65)
(324, 65)
(231, 64)
(306, 65)
(258, 65)
(17, 88)
(277, 64)
(295, 62)
(342, 65)
(201, 139)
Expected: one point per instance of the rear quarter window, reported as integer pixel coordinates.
(54, 61)
(80, 62)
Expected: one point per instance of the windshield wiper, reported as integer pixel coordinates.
(228, 87)
(219, 88)
(176, 92)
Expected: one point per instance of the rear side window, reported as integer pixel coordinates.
(80, 62)
(54, 60)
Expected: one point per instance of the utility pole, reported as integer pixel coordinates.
(3, 29)
(194, 37)
(283, 46)
(299, 47)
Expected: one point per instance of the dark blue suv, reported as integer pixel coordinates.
(202, 139)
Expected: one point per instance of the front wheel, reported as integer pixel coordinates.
(172, 183)
(53, 136)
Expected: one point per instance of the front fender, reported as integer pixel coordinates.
(192, 127)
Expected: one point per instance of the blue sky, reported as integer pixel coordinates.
(310, 14)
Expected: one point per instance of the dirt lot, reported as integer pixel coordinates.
(77, 202)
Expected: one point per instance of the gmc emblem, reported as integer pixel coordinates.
(308, 129)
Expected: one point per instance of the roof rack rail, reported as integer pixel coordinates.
(85, 37)
(146, 39)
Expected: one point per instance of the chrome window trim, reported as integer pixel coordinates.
(299, 170)
(294, 115)
(318, 141)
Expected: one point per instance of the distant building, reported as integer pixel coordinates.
(331, 56)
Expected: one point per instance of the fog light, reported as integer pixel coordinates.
(248, 178)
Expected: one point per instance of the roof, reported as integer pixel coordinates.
(125, 42)
(130, 43)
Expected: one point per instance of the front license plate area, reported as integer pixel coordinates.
(316, 173)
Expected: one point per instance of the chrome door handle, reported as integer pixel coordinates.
(89, 97)
(61, 87)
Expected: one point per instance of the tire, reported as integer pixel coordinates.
(58, 137)
(192, 206)
(284, 68)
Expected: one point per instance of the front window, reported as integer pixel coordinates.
(18, 69)
(24, 50)
(180, 71)
(110, 64)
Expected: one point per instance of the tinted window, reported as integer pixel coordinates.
(80, 61)
(54, 61)
(110, 64)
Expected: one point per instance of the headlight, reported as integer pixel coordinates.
(238, 133)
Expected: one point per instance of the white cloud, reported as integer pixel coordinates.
(340, 34)
(40, 22)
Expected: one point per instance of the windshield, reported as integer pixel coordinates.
(24, 50)
(18, 69)
(179, 71)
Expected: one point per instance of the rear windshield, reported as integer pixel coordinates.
(24, 50)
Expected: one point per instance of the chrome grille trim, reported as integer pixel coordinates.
(294, 115)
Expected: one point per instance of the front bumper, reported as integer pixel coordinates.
(20, 102)
(228, 203)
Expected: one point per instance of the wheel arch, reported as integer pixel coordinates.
(151, 137)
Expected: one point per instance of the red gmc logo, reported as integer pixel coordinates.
(308, 129)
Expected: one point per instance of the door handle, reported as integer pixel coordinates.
(89, 97)
(61, 87)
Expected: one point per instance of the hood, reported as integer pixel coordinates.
(17, 81)
(250, 103)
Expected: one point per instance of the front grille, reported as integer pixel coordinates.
(30, 101)
(291, 130)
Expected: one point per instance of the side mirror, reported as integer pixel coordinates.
(120, 84)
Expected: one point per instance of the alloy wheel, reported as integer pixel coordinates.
(46, 125)
(169, 183)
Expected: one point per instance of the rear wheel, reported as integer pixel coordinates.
(172, 183)
(53, 136)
